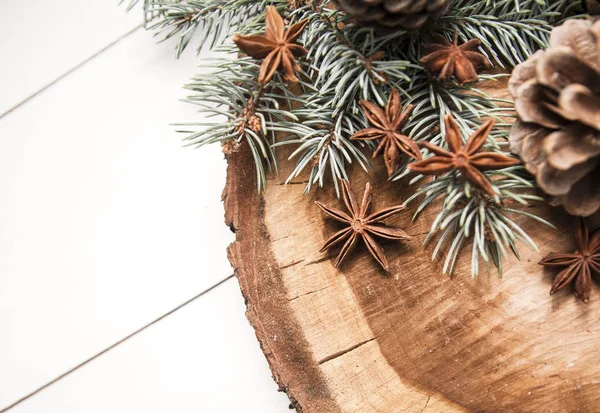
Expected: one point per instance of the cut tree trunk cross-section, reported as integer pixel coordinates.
(359, 340)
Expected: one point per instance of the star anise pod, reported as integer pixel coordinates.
(276, 46)
(464, 158)
(450, 59)
(361, 224)
(579, 265)
(387, 126)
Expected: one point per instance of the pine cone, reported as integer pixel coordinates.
(592, 7)
(557, 98)
(406, 14)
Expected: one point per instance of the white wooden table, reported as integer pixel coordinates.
(107, 224)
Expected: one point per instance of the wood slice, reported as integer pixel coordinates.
(359, 339)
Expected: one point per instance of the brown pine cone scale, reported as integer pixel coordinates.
(557, 98)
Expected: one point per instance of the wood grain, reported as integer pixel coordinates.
(358, 339)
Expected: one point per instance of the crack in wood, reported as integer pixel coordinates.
(320, 260)
(293, 183)
(426, 404)
(308, 293)
(291, 264)
(348, 350)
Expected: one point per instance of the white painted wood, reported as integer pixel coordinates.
(40, 40)
(107, 222)
(204, 358)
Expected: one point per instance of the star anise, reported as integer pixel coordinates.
(464, 158)
(580, 265)
(387, 126)
(361, 224)
(276, 46)
(450, 59)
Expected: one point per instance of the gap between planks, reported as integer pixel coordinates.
(151, 323)
(73, 69)
(116, 344)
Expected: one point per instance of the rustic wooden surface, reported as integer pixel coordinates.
(411, 340)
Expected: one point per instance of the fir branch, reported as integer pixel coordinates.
(466, 104)
(510, 30)
(208, 22)
(349, 63)
(242, 110)
(323, 146)
(468, 216)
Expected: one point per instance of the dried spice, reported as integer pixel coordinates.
(464, 158)
(361, 224)
(387, 126)
(557, 98)
(580, 265)
(230, 146)
(449, 59)
(276, 46)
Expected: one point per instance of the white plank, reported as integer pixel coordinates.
(107, 222)
(203, 358)
(40, 40)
